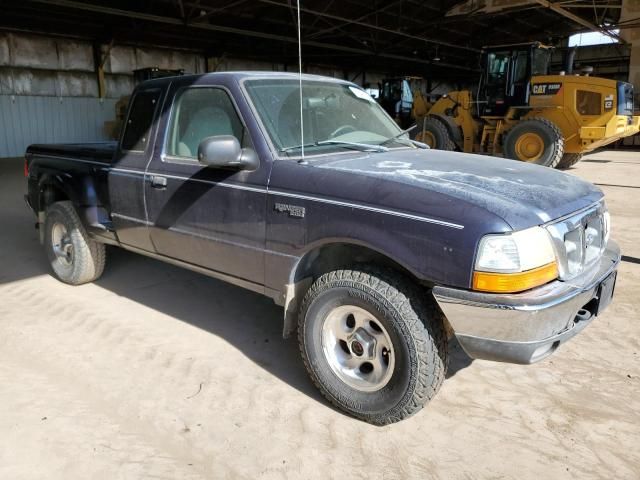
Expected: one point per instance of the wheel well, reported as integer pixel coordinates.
(339, 256)
(325, 259)
(50, 194)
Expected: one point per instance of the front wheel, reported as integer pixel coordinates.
(372, 345)
(75, 258)
(535, 140)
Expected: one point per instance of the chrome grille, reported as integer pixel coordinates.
(579, 240)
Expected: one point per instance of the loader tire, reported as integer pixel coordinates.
(535, 140)
(569, 160)
(435, 134)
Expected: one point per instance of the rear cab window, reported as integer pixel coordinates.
(138, 125)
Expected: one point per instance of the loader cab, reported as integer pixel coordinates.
(506, 77)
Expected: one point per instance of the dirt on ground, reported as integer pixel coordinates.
(158, 372)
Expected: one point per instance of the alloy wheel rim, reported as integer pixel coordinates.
(61, 243)
(358, 348)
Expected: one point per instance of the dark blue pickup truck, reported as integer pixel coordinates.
(379, 249)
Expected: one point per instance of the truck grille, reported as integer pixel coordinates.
(580, 240)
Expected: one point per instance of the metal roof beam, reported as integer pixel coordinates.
(77, 5)
(572, 16)
(379, 10)
(373, 27)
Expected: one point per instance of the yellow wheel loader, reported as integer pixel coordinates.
(523, 113)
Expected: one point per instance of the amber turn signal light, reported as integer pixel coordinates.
(514, 282)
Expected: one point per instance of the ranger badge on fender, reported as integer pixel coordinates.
(293, 210)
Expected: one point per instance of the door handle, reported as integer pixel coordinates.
(159, 182)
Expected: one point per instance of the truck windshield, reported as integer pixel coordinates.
(336, 116)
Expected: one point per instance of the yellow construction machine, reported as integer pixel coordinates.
(522, 112)
(396, 96)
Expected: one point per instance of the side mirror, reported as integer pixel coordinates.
(224, 151)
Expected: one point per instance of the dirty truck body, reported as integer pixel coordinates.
(379, 250)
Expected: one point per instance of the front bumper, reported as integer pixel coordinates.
(525, 327)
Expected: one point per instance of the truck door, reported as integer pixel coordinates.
(209, 217)
(126, 178)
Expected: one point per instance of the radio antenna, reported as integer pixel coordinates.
(300, 80)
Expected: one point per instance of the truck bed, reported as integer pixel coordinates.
(97, 152)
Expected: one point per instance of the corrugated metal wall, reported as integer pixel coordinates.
(27, 119)
(49, 88)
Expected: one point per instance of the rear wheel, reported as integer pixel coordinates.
(371, 343)
(75, 258)
(536, 140)
(435, 134)
(569, 160)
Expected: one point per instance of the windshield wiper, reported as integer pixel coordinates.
(365, 147)
(395, 137)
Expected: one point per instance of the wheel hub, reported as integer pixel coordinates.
(529, 147)
(358, 348)
(362, 344)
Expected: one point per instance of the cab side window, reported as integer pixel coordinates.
(138, 126)
(520, 73)
(198, 113)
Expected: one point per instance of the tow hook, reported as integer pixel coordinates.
(582, 315)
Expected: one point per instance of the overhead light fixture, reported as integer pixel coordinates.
(436, 58)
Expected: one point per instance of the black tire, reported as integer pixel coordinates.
(434, 133)
(85, 258)
(415, 329)
(569, 160)
(547, 131)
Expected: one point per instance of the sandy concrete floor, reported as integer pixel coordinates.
(157, 372)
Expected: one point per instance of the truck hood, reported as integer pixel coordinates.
(521, 194)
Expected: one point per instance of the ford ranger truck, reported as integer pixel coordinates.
(379, 249)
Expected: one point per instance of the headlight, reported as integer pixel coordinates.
(514, 262)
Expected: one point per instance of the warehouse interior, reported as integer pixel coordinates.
(158, 372)
(61, 57)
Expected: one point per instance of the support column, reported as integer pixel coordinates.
(100, 58)
(631, 12)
